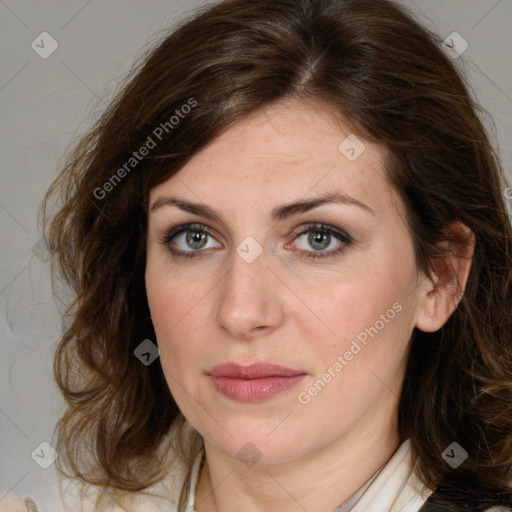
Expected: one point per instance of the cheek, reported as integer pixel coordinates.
(366, 319)
(172, 316)
(172, 296)
(166, 312)
(362, 361)
(350, 306)
(180, 315)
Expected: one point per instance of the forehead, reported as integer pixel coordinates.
(281, 152)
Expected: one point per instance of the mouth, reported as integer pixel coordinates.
(253, 383)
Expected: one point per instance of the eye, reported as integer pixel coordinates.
(189, 238)
(319, 237)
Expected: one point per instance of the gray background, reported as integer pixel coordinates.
(46, 102)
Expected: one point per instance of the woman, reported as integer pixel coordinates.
(292, 266)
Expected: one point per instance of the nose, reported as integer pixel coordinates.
(251, 299)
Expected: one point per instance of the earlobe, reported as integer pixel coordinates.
(441, 293)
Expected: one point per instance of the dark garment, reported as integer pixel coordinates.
(462, 493)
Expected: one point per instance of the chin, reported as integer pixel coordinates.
(256, 446)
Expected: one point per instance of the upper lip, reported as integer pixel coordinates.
(253, 371)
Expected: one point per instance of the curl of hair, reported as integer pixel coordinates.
(376, 68)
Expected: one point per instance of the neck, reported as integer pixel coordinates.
(322, 480)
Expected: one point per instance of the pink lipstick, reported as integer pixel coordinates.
(253, 383)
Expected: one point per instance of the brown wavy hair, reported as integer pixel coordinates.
(372, 63)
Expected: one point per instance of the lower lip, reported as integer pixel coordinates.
(254, 390)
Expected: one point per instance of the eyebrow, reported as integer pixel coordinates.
(277, 214)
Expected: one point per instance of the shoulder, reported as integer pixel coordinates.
(74, 495)
(433, 508)
(9, 502)
(162, 496)
(465, 493)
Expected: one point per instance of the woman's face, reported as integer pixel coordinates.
(241, 286)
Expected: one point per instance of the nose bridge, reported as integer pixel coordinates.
(248, 299)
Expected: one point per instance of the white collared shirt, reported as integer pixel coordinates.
(395, 488)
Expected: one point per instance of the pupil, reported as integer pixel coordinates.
(318, 238)
(194, 237)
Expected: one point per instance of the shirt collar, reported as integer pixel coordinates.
(394, 488)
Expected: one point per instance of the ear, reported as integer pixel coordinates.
(440, 294)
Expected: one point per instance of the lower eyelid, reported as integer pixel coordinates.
(336, 251)
(185, 231)
(344, 239)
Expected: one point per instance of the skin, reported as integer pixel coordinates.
(288, 309)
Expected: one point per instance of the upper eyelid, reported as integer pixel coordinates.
(343, 236)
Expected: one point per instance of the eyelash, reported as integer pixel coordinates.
(178, 229)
